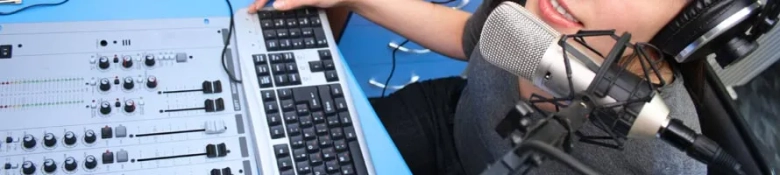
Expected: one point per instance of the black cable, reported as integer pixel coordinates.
(392, 69)
(32, 6)
(227, 42)
(442, 2)
(557, 154)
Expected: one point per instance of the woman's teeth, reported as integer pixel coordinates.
(563, 11)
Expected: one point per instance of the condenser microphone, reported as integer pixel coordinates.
(519, 42)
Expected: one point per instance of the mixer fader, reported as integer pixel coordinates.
(121, 97)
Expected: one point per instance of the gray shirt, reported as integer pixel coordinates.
(491, 92)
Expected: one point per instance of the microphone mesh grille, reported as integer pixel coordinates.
(515, 40)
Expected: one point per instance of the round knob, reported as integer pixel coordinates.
(105, 108)
(49, 166)
(29, 141)
(90, 162)
(49, 140)
(129, 84)
(70, 138)
(9, 139)
(129, 106)
(105, 84)
(149, 60)
(28, 168)
(104, 63)
(70, 164)
(151, 82)
(127, 61)
(90, 137)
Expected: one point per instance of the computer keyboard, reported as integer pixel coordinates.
(303, 110)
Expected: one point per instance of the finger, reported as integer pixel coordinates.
(292, 4)
(257, 5)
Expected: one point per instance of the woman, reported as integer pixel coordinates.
(446, 126)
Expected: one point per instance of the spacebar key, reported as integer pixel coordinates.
(357, 158)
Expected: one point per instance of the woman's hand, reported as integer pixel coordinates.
(293, 4)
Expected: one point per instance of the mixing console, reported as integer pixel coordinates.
(121, 97)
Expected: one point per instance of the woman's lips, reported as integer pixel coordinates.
(552, 17)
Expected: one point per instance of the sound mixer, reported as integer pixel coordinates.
(49, 166)
(70, 164)
(90, 137)
(105, 84)
(90, 162)
(70, 138)
(28, 168)
(149, 60)
(151, 82)
(129, 106)
(105, 108)
(129, 84)
(49, 140)
(127, 61)
(104, 62)
(29, 141)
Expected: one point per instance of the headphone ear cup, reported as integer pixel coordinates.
(696, 19)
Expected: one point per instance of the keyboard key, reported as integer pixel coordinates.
(357, 158)
(309, 42)
(281, 150)
(344, 158)
(280, 80)
(284, 14)
(294, 78)
(296, 142)
(291, 22)
(332, 166)
(335, 90)
(318, 117)
(308, 134)
(277, 132)
(341, 104)
(285, 163)
(284, 93)
(261, 69)
(325, 98)
(347, 170)
(315, 158)
(272, 45)
(265, 81)
(303, 22)
(304, 94)
(282, 33)
(297, 43)
(315, 66)
(291, 67)
(321, 129)
(295, 33)
(325, 141)
(319, 170)
(328, 154)
(306, 122)
(293, 129)
(278, 23)
(260, 58)
(325, 54)
(312, 146)
(288, 57)
(303, 167)
(263, 14)
(349, 133)
(319, 37)
(288, 106)
(336, 133)
(285, 44)
(307, 32)
(275, 58)
(328, 65)
(271, 107)
(302, 109)
(333, 121)
(306, 12)
(278, 68)
(345, 119)
(300, 155)
(269, 34)
(266, 24)
(274, 119)
(331, 76)
(290, 117)
(287, 172)
(268, 95)
(315, 21)
(340, 145)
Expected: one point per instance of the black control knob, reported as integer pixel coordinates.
(90, 137)
(105, 108)
(49, 140)
(49, 166)
(129, 84)
(151, 82)
(127, 61)
(70, 138)
(28, 168)
(71, 164)
(90, 162)
(149, 60)
(129, 106)
(105, 84)
(104, 63)
(29, 141)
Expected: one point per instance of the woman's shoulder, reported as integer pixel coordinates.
(679, 102)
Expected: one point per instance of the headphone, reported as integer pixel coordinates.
(727, 28)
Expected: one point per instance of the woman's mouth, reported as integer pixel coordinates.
(556, 13)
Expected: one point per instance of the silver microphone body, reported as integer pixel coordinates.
(519, 42)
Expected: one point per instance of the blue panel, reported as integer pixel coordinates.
(403, 73)
(367, 45)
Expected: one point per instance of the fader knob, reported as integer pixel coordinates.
(49, 140)
(90, 162)
(29, 141)
(129, 106)
(105, 108)
(49, 166)
(129, 84)
(151, 82)
(149, 60)
(127, 61)
(90, 137)
(105, 84)
(70, 138)
(70, 164)
(28, 168)
(104, 63)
